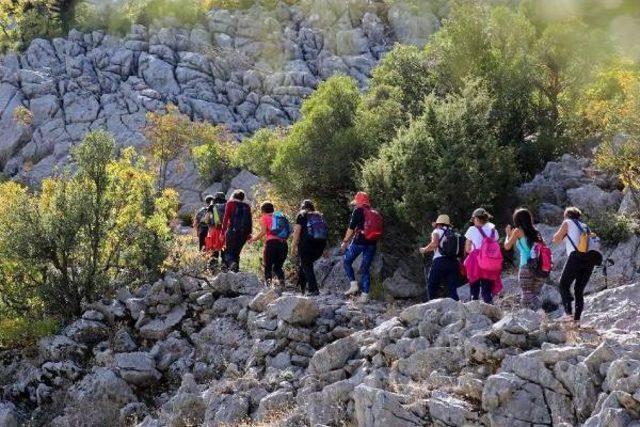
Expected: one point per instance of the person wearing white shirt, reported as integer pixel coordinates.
(480, 219)
(443, 267)
(578, 268)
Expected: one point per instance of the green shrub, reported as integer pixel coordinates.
(85, 230)
(613, 228)
(258, 152)
(25, 331)
(448, 161)
(317, 158)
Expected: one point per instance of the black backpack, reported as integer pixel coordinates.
(241, 222)
(451, 244)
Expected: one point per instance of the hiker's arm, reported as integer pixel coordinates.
(297, 231)
(227, 217)
(468, 246)
(433, 245)
(512, 238)
(347, 238)
(263, 232)
(561, 233)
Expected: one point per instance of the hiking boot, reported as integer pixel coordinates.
(353, 289)
(363, 298)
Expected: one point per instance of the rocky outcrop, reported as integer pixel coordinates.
(245, 69)
(243, 353)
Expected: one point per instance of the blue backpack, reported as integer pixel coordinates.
(280, 226)
(317, 228)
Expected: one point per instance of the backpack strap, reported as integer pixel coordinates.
(569, 237)
(484, 235)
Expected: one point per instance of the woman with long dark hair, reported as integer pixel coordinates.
(524, 235)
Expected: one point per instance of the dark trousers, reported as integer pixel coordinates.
(202, 237)
(443, 269)
(231, 256)
(577, 271)
(275, 254)
(309, 252)
(484, 287)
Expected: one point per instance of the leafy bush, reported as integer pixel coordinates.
(25, 331)
(21, 21)
(317, 157)
(447, 161)
(174, 137)
(258, 153)
(105, 222)
(613, 228)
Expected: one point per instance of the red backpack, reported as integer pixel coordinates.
(542, 259)
(373, 224)
(490, 256)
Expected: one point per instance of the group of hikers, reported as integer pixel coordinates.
(476, 258)
(224, 227)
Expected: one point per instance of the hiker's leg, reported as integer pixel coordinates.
(365, 268)
(268, 256)
(280, 258)
(202, 237)
(237, 253)
(350, 256)
(434, 279)
(487, 291)
(452, 275)
(581, 283)
(569, 274)
(475, 290)
(315, 252)
(529, 294)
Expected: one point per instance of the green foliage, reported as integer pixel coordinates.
(174, 137)
(66, 244)
(406, 69)
(317, 157)
(25, 331)
(613, 228)
(21, 21)
(449, 160)
(258, 152)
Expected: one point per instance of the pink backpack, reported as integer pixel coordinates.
(490, 256)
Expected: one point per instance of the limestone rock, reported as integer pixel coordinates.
(295, 310)
(376, 407)
(137, 368)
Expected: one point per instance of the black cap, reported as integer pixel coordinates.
(220, 197)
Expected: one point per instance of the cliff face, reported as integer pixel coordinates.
(245, 69)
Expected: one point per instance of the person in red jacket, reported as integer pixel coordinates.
(236, 227)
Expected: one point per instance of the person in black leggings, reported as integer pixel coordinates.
(579, 266)
(275, 248)
(307, 248)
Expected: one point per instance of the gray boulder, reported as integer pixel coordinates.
(375, 407)
(593, 200)
(295, 310)
(8, 417)
(137, 368)
(86, 331)
(163, 325)
(333, 356)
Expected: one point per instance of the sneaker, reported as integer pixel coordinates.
(353, 289)
(363, 298)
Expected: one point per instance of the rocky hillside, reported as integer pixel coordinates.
(245, 69)
(230, 352)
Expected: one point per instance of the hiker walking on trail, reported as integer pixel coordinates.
(534, 265)
(579, 265)
(484, 257)
(215, 237)
(364, 231)
(200, 224)
(236, 227)
(445, 247)
(310, 235)
(275, 229)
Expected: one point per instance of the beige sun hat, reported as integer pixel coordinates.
(443, 219)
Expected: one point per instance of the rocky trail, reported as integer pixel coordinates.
(228, 351)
